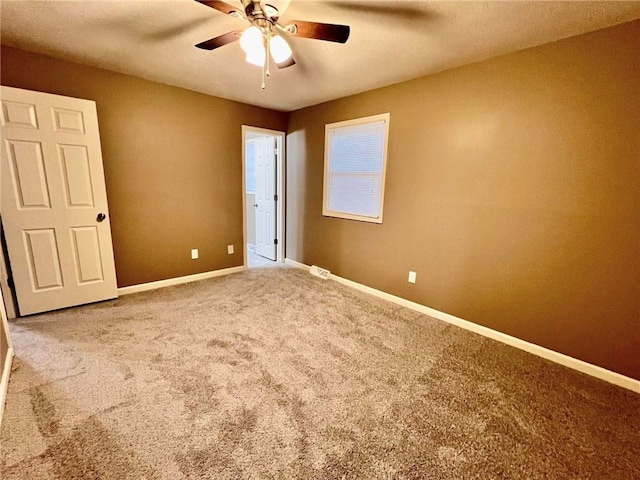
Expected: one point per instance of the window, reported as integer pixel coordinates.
(354, 168)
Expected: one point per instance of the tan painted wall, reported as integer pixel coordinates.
(172, 159)
(513, 189)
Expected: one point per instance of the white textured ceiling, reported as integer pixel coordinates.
(390, 41)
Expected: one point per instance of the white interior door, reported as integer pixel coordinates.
(54, 201)
(265, 155)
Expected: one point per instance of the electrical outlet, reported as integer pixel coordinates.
(194, 253)
(412, 277)
(230, 249)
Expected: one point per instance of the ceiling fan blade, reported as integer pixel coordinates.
(411, 11)
(287, 63)
(220, 41)
(219, 5)
(322, 31)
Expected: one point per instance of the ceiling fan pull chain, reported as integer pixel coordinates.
(268, 55)
(263, 70)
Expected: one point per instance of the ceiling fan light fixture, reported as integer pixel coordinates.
(251, 40)
(270, 10)
(280, 49)
(257, 57)
(265, 39)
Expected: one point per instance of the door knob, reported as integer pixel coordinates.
(101, 217)
(255, 205)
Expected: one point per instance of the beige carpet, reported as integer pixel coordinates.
(274, 374)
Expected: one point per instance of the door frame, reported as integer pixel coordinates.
(280, 190)
(4, 331)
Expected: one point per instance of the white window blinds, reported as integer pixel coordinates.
(355, 159)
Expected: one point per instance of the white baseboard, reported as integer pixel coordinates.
(4, 382)
(293, 263)
(143, 287)
(580, 365)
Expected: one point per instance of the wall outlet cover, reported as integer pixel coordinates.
(230, 249)
(412, 277)
(194, 253)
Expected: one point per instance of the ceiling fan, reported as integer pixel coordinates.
(265, 37)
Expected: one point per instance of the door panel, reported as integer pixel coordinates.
(52, 192)
(16, 114)
(86, 247)
(265, 197)
(71, 121)
(27, 172)
(76, 175)
(41, 247)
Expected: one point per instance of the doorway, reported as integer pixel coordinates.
(263, 196)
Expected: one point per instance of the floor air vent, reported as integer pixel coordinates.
(319, 272)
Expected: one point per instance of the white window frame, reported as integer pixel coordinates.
(325, 193)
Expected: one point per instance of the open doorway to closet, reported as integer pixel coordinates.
(263, 160)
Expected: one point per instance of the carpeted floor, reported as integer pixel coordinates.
(275, 374)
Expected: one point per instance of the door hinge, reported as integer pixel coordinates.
(275, 197)
(10, 283)
(275, 241)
